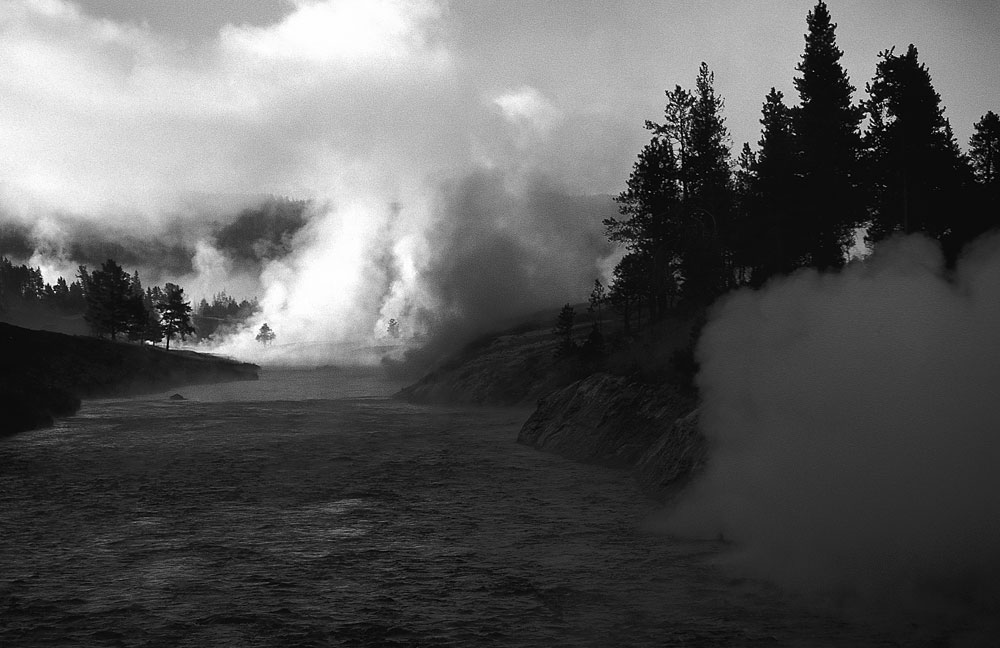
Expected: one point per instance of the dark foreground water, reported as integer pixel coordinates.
(310, 510)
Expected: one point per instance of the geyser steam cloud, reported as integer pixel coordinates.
(854, 421)
(130, 144)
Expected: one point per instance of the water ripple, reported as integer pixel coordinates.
(352, 522)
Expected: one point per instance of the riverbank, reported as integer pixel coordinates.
(45, 375)
(649, 430)
(627, 407)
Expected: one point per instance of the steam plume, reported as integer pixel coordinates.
(433, 198)
(855, 426)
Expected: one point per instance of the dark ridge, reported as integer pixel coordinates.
(44, 375)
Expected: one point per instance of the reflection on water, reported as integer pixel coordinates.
(307, 509)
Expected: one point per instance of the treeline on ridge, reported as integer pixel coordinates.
(694, 224)
(114, 304)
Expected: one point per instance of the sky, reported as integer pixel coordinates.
(611, 58)
(411, 125)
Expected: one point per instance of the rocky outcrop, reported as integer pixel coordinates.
(677, 453)
(614, 421)
(44, 374)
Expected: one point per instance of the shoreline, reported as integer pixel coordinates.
(47, 375)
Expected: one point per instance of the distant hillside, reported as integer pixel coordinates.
(44, 374)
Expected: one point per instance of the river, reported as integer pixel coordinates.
(310, 509)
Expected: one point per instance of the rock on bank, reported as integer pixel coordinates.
(618, 422)
(44, 375)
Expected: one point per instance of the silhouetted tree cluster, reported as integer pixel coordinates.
(23, 286)
(117, 306)
(677, 207)
(223, 311)
(113, 303)
(694, 224)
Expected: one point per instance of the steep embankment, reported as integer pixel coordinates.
(615, 421)
(507, 369)
(44, 375)
(650, 428)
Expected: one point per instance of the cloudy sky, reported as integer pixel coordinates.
(124, 100)
(122, 115)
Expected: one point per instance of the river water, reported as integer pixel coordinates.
(310, 509)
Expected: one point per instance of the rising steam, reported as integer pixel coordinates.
(854, 422)
(432, 198)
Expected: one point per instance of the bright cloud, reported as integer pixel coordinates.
(359, 31)
(530, 111)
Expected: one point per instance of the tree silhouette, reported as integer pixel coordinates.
(598, 296)
(652, 227)
(138, 321)
(110, 301)
(175, 313)
(769, 238)
(916, 167)
(564, 332)
(265, 335)
(984, 153)
(628, 289)
(708, 200)
(828, 141)
(984, 149)
(679, 199)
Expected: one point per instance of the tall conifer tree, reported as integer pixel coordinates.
(709, 202)
(175, 313)
(984, 149)
(984, 152)
(828, 145)
(771, 237)
(919, 175)
(652, 227)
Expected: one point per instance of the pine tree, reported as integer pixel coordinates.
(138, 314)
(708, 203)
(918, 172)
(175, 313)
(152, 330)
(828, 143)
(781, 237)
(265, 335)
(653, 228)
(676, 130)
(598, 296)
(60, 294)
(108, 294)
(679, 200)
(984, 149)
(629, 287)
(984, 153)
(564, 332)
